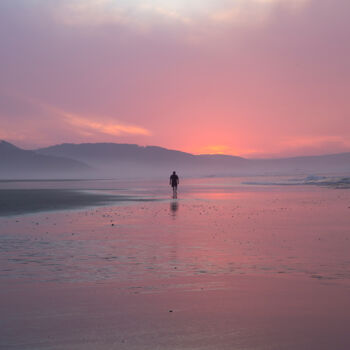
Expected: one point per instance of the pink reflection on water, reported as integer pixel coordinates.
(246, 268)
(303, 232)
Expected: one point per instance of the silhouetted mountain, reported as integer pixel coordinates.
(98, 153)
(133, 160)
(18, 163)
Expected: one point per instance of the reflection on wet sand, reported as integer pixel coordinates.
(271, 263)
(174, 207)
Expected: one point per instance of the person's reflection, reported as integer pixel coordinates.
(174, 206)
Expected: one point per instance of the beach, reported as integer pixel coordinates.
(225, 266)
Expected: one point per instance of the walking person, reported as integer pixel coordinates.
(174, 181)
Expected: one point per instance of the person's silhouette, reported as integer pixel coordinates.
(174, 181)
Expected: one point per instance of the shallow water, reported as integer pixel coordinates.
(216, 233)
(214, 227)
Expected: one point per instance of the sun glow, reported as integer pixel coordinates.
(216, 149)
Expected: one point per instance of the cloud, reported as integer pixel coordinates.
(171, 68)
(253, 12)
(91, 12)
(94, 125)
(146, 13)
(29, 122)
(90, 126)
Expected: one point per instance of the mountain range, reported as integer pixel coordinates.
(18, 163)
(90, 160)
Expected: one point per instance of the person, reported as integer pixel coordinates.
(174, 181)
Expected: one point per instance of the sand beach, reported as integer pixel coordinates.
(225, 266)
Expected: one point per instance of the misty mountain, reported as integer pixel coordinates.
(98, 153)
(331, 163)
(132, 160)
(18, 163)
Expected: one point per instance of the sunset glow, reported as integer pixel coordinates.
(100, 127)
(255, 78)
(174, 174)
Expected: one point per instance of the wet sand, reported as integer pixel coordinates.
(216, 269)
(251, 312)
(22, 201)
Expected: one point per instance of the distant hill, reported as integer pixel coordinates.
(131, 159)
(98, 153)
(331, 163)
(18, 163)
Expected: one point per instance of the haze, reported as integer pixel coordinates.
(251, 78)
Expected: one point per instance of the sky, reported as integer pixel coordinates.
(254, 78)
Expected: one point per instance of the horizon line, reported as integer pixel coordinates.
(276, 157)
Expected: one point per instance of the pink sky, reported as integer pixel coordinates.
(255, 78)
